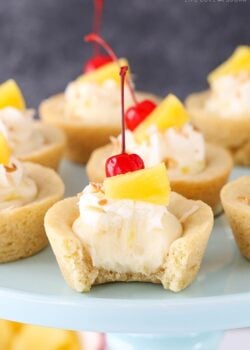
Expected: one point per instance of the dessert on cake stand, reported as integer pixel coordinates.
(136, 316)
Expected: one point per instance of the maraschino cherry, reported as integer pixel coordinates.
(124, 162)
(136, 114)
(97, 60)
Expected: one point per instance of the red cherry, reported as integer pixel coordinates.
(136, 114)
(123, 163)
(96, 62)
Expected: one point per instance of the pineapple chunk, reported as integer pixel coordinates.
(148, 185)
(11, 95)
(239, 61)
(106, 72)
(41, 338)
(8, 331)
(5, 151)
(169, 113)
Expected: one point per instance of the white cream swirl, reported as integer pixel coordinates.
(95, 103)
(16, 187)
(18, 128)
(182, 149)
(125, 235)
(230, 96)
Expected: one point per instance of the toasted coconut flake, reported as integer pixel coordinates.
(170, 163)
(102, 201)
(10, 168)
(95, 187)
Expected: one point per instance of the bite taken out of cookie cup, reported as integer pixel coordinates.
(204, 186)
(181, 264)
(232, 133)
(51, 153)
(22, 231)
(82, 137)
(235, 197)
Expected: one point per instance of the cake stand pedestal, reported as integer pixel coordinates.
(192, 341)
(136, 316)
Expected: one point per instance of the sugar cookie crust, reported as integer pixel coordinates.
(178, 271)
(232, 133)
(22, 229)
(51, 153)
(235, 197)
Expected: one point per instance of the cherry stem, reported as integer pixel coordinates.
(123, 72)
(98, 10)
(93, 37)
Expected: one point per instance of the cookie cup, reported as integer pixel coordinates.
(82, 136)
(204, 186)
(235, 197)
(22, 229)
(232, 133)
(181, 264)
(51, 153)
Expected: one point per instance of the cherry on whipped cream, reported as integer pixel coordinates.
(136, 114)
(124, 162)
(96, 62)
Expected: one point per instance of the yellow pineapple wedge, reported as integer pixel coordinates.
(108, 71)
(41, 338)
(5, 151)
(11, 95)
(148, 185)
(239, 61)
(169, 113)
(8, 330)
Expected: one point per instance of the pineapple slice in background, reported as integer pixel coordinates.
(18, 336)
(239, 61)
(5, 151)
(148, 185)
(8, 330)
(169, 113)
(11, 95)
(106, 72)
(40, 338)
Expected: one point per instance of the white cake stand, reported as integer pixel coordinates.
(138, 316)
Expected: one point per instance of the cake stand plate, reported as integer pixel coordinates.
(33, 291)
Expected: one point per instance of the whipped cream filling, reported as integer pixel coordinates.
(182, 149)
(18, 128)
(230, 95)
(99, 103)
(125, 235)
(16, 187)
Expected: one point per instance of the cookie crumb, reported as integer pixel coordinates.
(102, 201)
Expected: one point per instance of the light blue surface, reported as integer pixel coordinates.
(33, 291)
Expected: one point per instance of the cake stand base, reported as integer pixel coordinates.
(193, 341)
